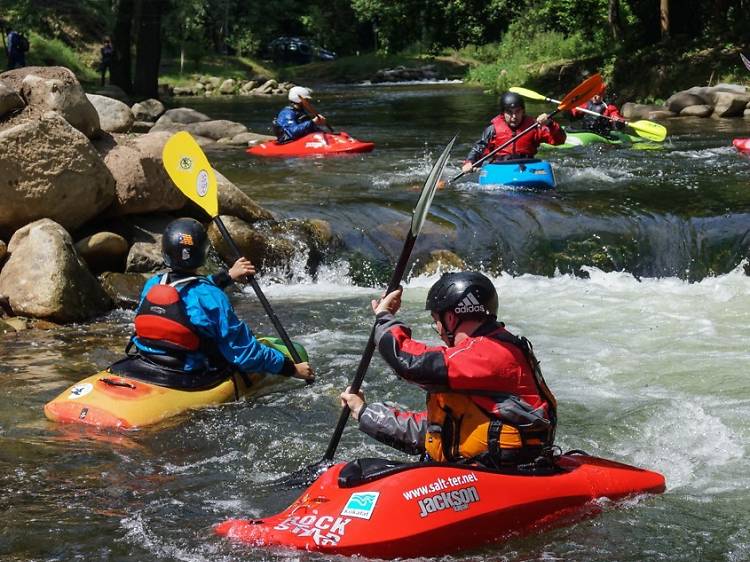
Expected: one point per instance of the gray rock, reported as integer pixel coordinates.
(639, 111)
(45, 278)
(659, 114)
(679, 101)
(729, 104)
(697, 111)
(261, 249)
(55, 88)
(145, 252)
(148, 110)
(216, 129)
(184, 115)
(123, 288)
(9, 100)
(103, 251)
(233, 201)
(142, 126)
(440, 261)
(112, 91)
(228, 86)
(114, 116)
(50, 170)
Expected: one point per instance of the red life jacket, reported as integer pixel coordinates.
(162, 321)
(524, 147)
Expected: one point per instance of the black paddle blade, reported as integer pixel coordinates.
(301, 478)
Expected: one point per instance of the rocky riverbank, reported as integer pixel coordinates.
(86, 197)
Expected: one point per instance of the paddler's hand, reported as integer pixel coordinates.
(304, 371)
(389, 303)
(467, 167)
(241, 268)
(319, 119)
(544, 119)
(355, 401)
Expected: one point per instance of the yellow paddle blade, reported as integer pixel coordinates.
(189, 169)
(531, 94)
(649, 130)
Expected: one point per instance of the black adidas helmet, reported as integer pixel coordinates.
(510, 100)
(465, 293)
(184, 244)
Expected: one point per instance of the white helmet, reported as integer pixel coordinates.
(298, 92)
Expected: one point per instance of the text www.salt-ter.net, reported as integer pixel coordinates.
(440, 484)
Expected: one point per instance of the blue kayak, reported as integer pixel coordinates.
(518, 173)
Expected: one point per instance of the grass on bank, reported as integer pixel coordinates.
(44, 51)
(239, 68)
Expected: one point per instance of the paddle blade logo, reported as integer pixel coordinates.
(186, 163)
(361, 505)
(201, 183)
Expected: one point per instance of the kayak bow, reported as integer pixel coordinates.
(531, 173)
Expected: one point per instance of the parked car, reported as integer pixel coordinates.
(297, 51)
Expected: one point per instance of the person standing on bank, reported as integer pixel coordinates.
(505, 126)
(17, 46)
(487, 401)
(106, 53)
(194, 330)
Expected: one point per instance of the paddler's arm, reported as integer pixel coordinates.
(477, 151)
(238, 344)
(549, 131)
(241, 268)
(396, 428)
(287, 120)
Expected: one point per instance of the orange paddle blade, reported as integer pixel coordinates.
(582, 93)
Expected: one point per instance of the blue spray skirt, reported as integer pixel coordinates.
(518, 173)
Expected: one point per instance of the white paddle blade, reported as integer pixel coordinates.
(428, 191)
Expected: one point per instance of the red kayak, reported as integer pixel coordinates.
(314, 144)
(743, 145)
(378, 509)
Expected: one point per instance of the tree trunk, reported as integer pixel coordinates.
(119, 74)
(615, 23)
(148, 49)
(664, 18)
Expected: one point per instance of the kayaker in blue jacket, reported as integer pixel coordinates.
(298, 119)
(186, 323)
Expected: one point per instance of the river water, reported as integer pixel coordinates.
(629, 280)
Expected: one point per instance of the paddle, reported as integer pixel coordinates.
(645, 129)
(311, 109)
(189, 169)
(307, 475)
(745, 61)
(581, 93)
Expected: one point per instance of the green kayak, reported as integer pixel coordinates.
(586, 138)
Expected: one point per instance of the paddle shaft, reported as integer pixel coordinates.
(364, 363)
(584, 110)
(512, 140)
(261, 297)
(311, 108)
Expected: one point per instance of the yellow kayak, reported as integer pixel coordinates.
(111, 400)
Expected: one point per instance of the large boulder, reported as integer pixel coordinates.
(184, 115)
(123, 288)
(45, 278)
(142, 183)
(49, 169)
(145, 252)
(114, 116)
(634, 111)
(216, 129)
(148, 110)
(9, 100)
(697, 111)
(54, 88)
(103, 251)
(729, 104)
(679, 101)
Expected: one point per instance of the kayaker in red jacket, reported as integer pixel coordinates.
(600, 125)
(487, 401)
(506, 126)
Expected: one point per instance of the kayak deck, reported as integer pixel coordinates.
(434, 509)
(314, 144)
(111, 400)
